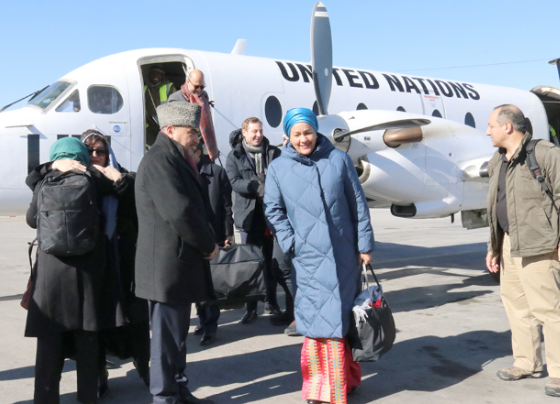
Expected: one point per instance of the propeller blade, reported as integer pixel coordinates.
(321, 56)
(400, 124)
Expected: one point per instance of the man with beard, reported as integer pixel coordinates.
(175, 244)
(193, 91)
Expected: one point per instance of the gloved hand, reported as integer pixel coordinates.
(260, 178)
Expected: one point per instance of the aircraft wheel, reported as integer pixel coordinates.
(495, 276)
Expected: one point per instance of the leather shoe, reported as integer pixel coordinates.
(249, 316)
(207, 339)
(270, 308)
(281, 319)
(198, 330)
(188, 398)
(291, 331)
(103, 385)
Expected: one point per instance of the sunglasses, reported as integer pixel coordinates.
(101, 151)
(197, 87)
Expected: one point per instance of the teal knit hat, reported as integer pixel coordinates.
(69, 148)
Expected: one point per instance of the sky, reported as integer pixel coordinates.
(42, 41)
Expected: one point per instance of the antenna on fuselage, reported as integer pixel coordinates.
(321, 56)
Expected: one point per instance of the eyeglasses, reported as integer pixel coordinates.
(101, 151)
(197, 87)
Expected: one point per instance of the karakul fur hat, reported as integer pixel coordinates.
(179, 114)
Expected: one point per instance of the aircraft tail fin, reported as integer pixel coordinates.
(239, 48)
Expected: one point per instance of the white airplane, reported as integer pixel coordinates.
(418, 143)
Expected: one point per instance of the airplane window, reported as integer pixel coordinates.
(273, 111)
(361, 106)
(104, 100)
(401, 109)
(72, 103)
(469, 120)
(436, 113)
(49, 94)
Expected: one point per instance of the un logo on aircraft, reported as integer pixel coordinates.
(116, 128)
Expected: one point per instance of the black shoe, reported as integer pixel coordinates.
(198, 330)
(354, 389)
(272, 308)
(207, 339)
(282, 319)
(291, 331)
(143, 372)
(103, 385)
(249, 316)
(188, 398)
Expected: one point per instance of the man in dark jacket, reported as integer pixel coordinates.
(175, 243)
(246, 168)
(216, 182)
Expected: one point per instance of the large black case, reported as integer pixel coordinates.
(238, 275)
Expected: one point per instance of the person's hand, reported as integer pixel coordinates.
(68, 165)
(110, 172)
(285, 140)
(493, 263)
(365, 258)
(260, 191)
(214, 253)
(229, 241)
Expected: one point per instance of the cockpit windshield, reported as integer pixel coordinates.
(49, 94)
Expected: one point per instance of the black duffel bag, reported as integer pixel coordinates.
(373, 337)
(238, 275)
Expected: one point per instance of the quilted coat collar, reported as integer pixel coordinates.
(323, 149)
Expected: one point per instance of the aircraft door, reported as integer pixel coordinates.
(432, 105)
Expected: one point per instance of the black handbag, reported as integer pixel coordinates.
(372, 338)
(238, 274)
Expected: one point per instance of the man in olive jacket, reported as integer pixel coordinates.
(524, 244)
(175, 243)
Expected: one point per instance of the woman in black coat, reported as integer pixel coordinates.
(132, 340)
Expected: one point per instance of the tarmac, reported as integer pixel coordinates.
(453, 335)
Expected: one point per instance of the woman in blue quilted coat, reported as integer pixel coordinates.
(318, 212)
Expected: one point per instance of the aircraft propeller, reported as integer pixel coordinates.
(322, 69)
(321, 56)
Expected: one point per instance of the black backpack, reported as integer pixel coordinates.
(67, 214)
(535, 170)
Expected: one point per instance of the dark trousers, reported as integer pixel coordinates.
(266, 244)
(50, 361)
(208, 316)
(282, 272)
(170, 327)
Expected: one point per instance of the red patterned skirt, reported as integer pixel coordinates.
(329, 371)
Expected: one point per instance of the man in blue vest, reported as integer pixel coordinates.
(156, 92)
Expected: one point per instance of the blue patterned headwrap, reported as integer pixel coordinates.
(298, 115)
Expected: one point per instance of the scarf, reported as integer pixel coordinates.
(69, 148)
(257, 153)
(206, 124)
(110, 202)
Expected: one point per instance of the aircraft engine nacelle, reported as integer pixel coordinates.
(425, 171)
